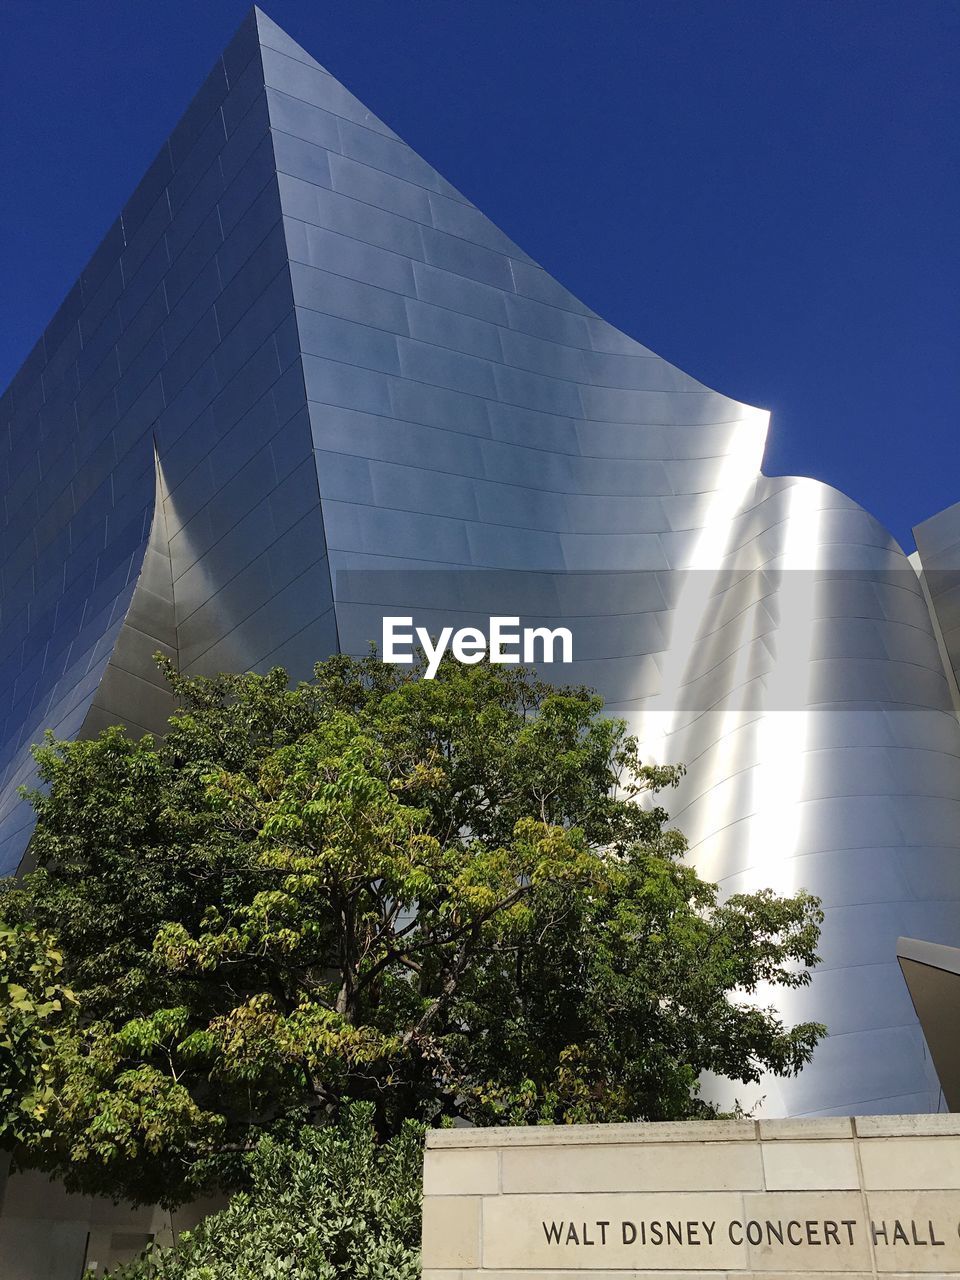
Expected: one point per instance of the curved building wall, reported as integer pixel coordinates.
(178, 342)
(938, 561)
(367, 400)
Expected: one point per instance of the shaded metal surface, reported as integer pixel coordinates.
(362, 394)
(178, 349)
(932, 974)
(938, 553)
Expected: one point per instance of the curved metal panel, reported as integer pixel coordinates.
(178, 338)
(932, 974)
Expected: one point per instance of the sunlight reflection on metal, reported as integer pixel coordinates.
(778, 781)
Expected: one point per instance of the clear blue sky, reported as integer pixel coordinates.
(764, 191)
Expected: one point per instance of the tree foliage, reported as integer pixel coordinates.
(333, 1203)
(32, 1002)
(447, 898)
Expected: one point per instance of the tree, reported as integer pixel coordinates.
(335, 1202)
(447, 898)
(32, 999)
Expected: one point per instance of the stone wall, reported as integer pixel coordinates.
(875, 1196)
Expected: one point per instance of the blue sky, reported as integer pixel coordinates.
(766, 192)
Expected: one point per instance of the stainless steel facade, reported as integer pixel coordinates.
(304, 382)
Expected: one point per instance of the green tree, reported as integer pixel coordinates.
(332, 1203)
(455, 897)
(32, 1004)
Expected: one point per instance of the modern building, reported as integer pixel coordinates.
(304, 383)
